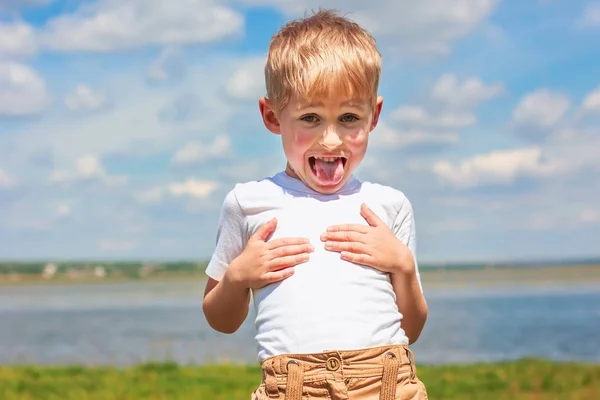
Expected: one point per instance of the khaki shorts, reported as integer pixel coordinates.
(379, 373)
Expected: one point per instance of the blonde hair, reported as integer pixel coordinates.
(321, 55)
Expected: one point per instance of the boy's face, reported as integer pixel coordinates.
(324, 141)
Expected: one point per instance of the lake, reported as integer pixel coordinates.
(127, 323)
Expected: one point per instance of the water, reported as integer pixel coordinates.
(128, 323)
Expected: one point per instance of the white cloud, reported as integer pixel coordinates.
(84, 98)
(63, 209)
(388, 138)
(426, 26)
(247, 171)
(247, 82)
(540, 111)
(108, 25)
(150, 196)
(498, 167)
(589, 215)
(591, 14)
(418, 116)
(575, 147)
(546, 210)
(136, 123)
(22, 91)
(193, 188)
(17, 39)
(6, 180)
(198, 152)
(454, 102)
(168, 66)
(87, 168)
(189, 188)
(467, 94)
(591, 103)
(117, 130)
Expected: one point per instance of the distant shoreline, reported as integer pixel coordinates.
(432, 277)
(455, 264)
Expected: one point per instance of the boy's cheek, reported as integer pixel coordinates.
(358, 143)
(299, 144)
(303, 139)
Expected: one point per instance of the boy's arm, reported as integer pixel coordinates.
(225, 305)
(407, 286)
(411, 303)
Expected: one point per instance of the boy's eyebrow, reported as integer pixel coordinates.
(357, 103)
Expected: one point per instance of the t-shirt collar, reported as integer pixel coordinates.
(288, 182)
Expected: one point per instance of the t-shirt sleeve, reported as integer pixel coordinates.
(231, 237)
(404, 229)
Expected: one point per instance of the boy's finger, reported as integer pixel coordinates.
(349, 227)
(288, 241)
(287, 261)
(277, 276)
(291, 250)
(343, 236)
(369, 215)
(352, 247)
(265, 230)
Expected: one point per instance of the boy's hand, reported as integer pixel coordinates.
(262, 263)
(375, 245)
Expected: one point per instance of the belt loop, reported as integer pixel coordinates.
(271, 380)
(413, 366)
(389, 380)
(295, 380)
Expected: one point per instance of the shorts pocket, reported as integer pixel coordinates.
(370, 387)
(310, 390)
(422, 390)
(318, 389)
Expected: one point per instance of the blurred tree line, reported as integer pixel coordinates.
(123, 268)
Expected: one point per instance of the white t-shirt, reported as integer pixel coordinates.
(329, 303)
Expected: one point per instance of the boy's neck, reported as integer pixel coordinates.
(290, 172)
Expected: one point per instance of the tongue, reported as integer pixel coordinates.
(329, 172)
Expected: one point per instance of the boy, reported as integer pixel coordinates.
(335, 285)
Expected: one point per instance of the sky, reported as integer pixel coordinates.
(123, 123)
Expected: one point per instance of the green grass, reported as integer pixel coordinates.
(525, 379)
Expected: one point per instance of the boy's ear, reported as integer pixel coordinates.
(269, 116)
(377, 112)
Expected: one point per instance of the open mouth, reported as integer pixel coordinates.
(329, 160)
(328, 170)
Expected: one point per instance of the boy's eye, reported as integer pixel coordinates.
(309, 118)
(349, 118)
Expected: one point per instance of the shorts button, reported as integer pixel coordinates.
(332, 364)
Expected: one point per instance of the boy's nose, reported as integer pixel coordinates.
(331, 139)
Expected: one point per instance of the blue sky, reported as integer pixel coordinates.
(123, 123)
